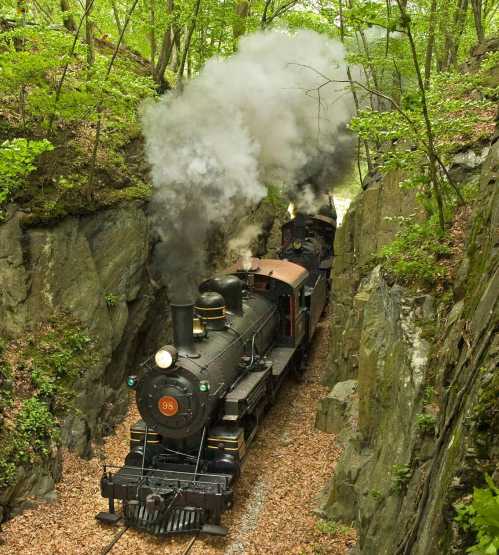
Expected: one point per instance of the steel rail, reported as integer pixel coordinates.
(192, 541)
(114, 541)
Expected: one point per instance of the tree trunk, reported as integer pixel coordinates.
(459, 23)
(239, 25)
(476, 6)
(429, 46)
(432, 155)
(443, 34)
(354, 95)
(152, 35)
(188, 40)
(116, 14)
(89, 33)
(453, 35)
(67, 17)
(165, 51)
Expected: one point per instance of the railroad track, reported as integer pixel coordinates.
(107, 549)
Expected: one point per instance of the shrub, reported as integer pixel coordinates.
(112, 299)
(415, 253)
(426, 423)
(36, 429)
(331, 527)
(17, 162)
(54, 358)
(481, 517)
(401, 474)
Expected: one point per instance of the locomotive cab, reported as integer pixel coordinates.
(283, 282)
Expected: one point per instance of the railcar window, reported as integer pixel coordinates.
(303, 303)
(262, 283)
(284, 309)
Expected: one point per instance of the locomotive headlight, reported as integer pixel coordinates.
(166, 357)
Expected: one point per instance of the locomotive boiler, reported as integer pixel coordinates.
(202, 398)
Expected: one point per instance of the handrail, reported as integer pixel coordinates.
(172, 475)
(163, 470)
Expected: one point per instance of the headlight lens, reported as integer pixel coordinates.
(166, 357)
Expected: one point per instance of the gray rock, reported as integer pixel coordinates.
(71, 267)
(338, 410)
(13, 277)
(377, 338)
(469, 159)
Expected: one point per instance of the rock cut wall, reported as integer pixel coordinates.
(421, 428)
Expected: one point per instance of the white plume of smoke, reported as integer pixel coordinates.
(309, 201)
(245, 121)
(241, 244)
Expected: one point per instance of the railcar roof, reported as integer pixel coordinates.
(319, 217)
(282, 270)
(325, 219)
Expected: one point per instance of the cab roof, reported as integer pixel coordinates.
(288, 272)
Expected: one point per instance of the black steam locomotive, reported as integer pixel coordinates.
(201, 400)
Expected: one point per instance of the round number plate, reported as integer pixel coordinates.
(168, 405)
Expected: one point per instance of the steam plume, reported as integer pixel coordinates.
(241, 244)
(245, 121)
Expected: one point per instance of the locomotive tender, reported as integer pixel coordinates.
(201, 400)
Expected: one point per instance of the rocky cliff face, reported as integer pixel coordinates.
(93, 268)
(418, 413)
(371, 222)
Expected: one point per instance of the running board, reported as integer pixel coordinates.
(246, 395)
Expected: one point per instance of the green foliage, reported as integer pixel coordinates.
(375, 494)
(459, 116)
(416, 253)
(401, 474)
(7, 472)
(428, 394)
(58, 358)
(36, 69)
(5, 385)
(426, 423)
(37, 390)
(481, 517)
(111, 299)
(331, 527)
(35, 430)
(276, 198)
(17, 159)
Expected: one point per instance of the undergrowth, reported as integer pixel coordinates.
(37, 384)
(39, 115)
(480, 517)
(417, 253)
(17, 161)
(332, 527)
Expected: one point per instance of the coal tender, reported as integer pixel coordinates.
(202, 398)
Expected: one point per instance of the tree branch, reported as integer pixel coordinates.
(397, 107)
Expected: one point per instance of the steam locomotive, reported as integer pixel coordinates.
(201, 399)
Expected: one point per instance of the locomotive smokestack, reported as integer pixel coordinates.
(182, 320)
